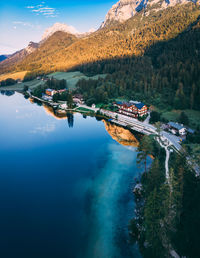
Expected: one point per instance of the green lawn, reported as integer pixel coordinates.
(20, 86)
(121, 99)
(73, 77)
(193, 115)
(171, 115)
(85, 110)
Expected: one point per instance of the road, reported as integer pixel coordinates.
(143, 127)
(167, 176)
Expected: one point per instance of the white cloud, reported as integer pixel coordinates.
(43, 10)
(7, 49)
(25, 24)
(49, 128)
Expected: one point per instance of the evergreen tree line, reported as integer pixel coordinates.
(168, 219)
(52, 84)
(166, 75)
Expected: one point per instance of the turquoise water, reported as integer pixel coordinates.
(65, 185)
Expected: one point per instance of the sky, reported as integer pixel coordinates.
(22, 21)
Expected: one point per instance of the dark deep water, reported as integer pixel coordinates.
(64, 191)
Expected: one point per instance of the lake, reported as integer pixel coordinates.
(65, 184)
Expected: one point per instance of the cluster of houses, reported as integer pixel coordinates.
(43, 78)
(78, 99)
(49, 93)
(132, 108)
(178, 129)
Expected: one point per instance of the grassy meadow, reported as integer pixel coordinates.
(20, 86)
(73, 77)
(15, 76)
(193, 115)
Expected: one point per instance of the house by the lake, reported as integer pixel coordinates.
(180, 129)
(61, 91)
(50, 92)
(78, 99)
(132, 108)
(177, 128)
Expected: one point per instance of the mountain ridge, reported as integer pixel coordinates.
(126, 9)
(20, 55)
(127, 39)
(58, 27)
(64, 51)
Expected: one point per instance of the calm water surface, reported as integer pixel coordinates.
(65, 185)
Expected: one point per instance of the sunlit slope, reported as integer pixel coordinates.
(15, 76)
(63, 51)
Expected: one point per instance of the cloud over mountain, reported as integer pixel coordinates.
(44, 10)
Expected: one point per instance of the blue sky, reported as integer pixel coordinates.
(22, 21)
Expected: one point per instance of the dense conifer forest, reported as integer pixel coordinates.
(154, 58)
(166, 75)
(168, 215)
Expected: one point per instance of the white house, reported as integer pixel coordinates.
(175, 127)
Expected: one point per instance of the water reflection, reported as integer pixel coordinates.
(118, 133)
(70, 118)
(65, 192)
(7, 92)
(121, 135)
(57, 115)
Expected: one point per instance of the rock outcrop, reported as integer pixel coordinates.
(58, 27)
(125, 9)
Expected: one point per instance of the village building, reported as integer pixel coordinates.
(132, 108)
(78, 99)
(61, 91)
(19, 81)
(177, 128)
(180, 129)
(46, 97)
(50, 92)
(63, 106)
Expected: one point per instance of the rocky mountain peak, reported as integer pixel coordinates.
(125, 9)
(32, 46)
(58, 27)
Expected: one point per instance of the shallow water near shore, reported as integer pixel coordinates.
(65, 185)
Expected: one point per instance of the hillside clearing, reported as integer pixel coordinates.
(193, 115)
(20, 86)
(15, 76)
(73, 77)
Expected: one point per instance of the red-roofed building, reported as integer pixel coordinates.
(50, 92)
(133, 109)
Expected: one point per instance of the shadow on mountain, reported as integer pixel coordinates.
(166, 74)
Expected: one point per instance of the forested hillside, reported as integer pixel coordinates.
(129, 39)
(152, 56)
(166, 74)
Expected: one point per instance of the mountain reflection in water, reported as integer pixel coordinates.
(66, 183)
(121, 135)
